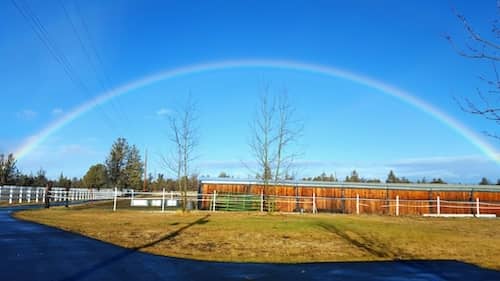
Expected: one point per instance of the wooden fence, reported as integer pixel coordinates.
(375, 198)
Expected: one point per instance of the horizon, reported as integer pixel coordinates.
(59, 125)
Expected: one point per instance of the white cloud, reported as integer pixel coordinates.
(163, 112)
(453, 169)
(57, 111)
(27, 114)
(73, 159)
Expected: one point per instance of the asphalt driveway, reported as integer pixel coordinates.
(30, 251)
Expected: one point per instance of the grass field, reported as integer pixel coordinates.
(283, 238)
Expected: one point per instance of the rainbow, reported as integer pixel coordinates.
(32, 142)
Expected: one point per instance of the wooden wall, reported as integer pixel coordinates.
(372, 200)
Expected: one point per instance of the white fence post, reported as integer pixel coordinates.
(163, 201)
(438, 206)
(397, 205)
(29, 195)
(114, 201)
(132, 198)
(477, 206)
(10, 196)
(20, 195)
(214, 200)
(262, 201)
(314, 203)
(43, 195)
(36, 194)
(357, 204)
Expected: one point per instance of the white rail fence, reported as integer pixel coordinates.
(172, 200)
(165, 200)
(32, 195)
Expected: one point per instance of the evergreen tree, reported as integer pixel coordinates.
(63, 181)
(96, 177)
(353, 178)
(7, 169)
(116, 162)
(134, 169)
(391, 178)
(41, 179)
(124, 166)
(484, 181)
(438, 180)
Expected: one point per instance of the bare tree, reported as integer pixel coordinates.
(289, 131)
(184, 137)
(263, 138)
(487, 49)
(274, 131)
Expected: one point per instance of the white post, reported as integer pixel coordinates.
(29, 195)
(36, 194)
(43, 196)
(0, 193)
(397, 205)
(477, 206)
(20, 195)
(314, 203)
(163, 201)
(171, 195)
(438, 206)
(10, 196)
(357, 204)
(214, 200)
(262, 201)
(132, 197)
(114, 201)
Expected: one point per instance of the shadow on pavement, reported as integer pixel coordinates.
(126, 252)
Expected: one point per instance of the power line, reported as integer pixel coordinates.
(43, 35)
(89, 59)
(98, 57)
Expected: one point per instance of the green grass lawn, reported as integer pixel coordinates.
(283, 238)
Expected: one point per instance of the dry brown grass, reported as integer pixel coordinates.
(287, 238)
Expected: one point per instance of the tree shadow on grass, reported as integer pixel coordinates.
(372, 246)
(126, 252)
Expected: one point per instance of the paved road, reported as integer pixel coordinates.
(30, 251)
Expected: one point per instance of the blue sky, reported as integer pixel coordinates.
(347, 125)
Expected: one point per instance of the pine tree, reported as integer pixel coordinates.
(124, 166)
(484, 181)
(116, 161)
(7, 169)
(134, 168)
(391, 178)
(353, 178)
(96, 177)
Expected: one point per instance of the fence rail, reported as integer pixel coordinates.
(32, 195)
(218, 201)
(223, 201)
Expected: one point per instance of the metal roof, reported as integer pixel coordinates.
(396, 186)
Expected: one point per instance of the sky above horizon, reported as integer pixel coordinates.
(347, 125)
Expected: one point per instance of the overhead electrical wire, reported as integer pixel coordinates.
(43, 35)
(105, 82)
